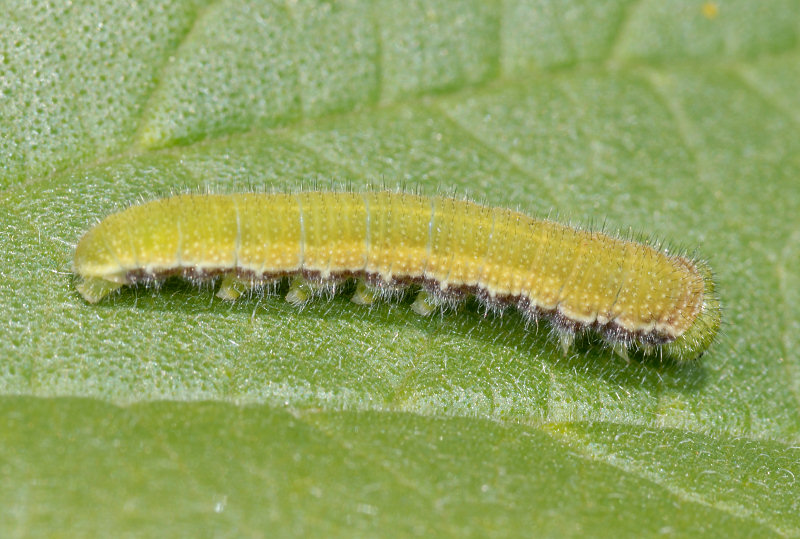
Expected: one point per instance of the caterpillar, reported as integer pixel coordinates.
(633, 295)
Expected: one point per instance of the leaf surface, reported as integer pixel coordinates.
(172, 412)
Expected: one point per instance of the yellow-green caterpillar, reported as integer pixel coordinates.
(632, 294)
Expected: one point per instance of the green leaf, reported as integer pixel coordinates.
(170, 412)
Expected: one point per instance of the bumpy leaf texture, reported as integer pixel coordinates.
(171, 412)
